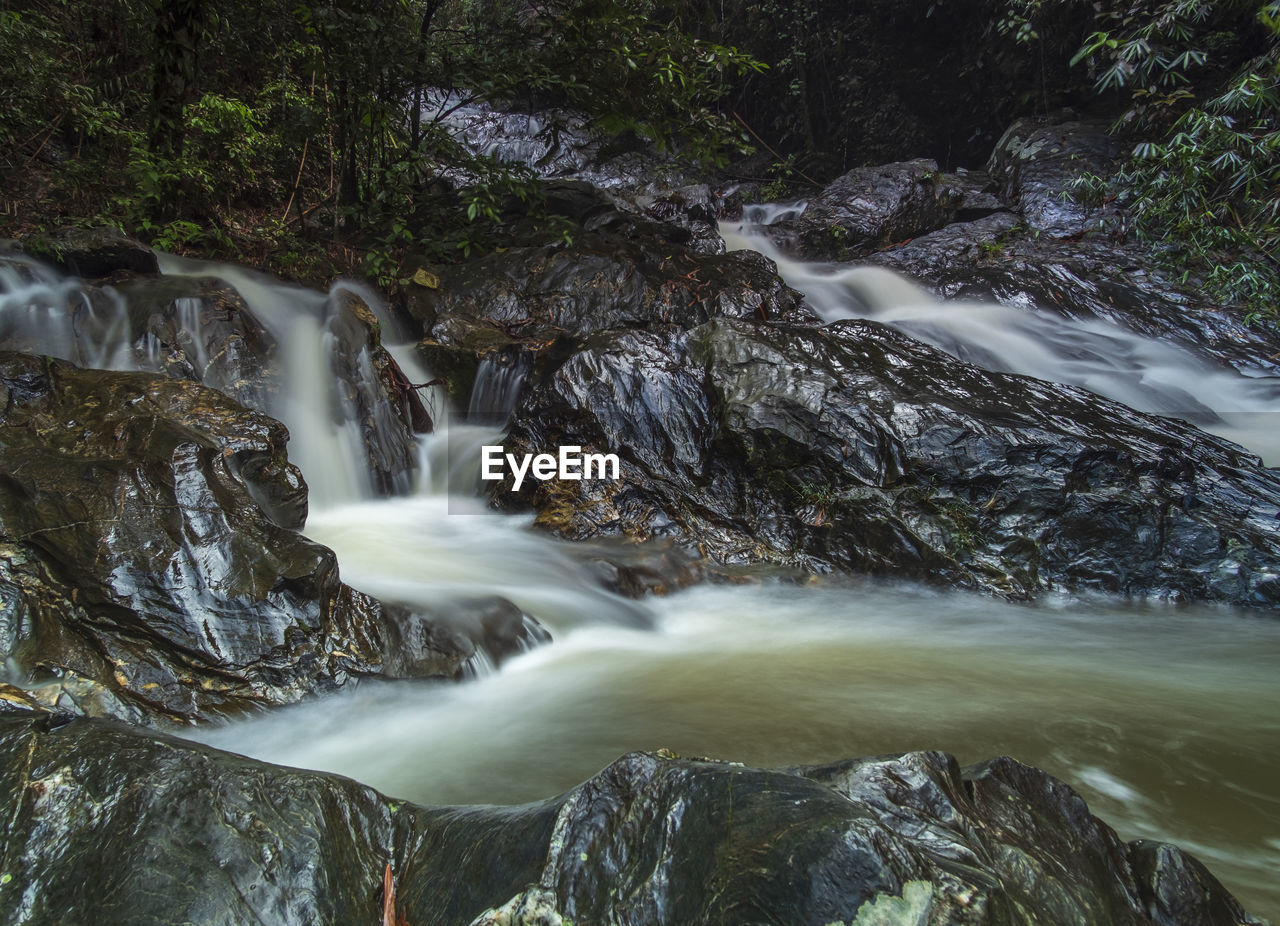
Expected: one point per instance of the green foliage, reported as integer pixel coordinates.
(312, 114)
(1205, 183)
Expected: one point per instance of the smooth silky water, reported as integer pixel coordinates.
(1167, 718)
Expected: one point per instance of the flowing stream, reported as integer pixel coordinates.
(1166, 718)
(1101, 356)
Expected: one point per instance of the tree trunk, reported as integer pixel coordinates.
(179, 24)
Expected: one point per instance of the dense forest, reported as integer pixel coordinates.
(310, 137)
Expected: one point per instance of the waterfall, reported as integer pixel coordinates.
(43, 311)
(498, 381)
(770, 673)
(1110, 359)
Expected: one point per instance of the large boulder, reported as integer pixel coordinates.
(111, 824)
(870, 208)
(150, 565)
(858, 448)
(1044, 169)
(96, 252)
(528, 305)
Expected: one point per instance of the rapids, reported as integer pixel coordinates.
(1103, 357)
(1166, 718)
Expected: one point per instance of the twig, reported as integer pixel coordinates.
(310, 209)
(388, 898)
(770, 149)
(296, 180)
(302, 162)
(48, 135)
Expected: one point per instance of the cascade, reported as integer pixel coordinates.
(1101, 356)
(1159, 715)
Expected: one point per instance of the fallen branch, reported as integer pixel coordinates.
(770, 149)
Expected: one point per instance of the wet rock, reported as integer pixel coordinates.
(974, 194)
(996, 260)
(870, 208)
(600, 283)
(93, 253)
(1037, 167)
(372, 391)
(624, 273)
(854, 447)
(149, 564)
(1062, 248)
(639, 570)
(200, 329)
(697, 208)
(652, 839)
(1177, 890)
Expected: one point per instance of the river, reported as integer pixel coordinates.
(1167, 718)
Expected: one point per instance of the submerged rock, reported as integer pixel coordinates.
(198, 835)
(855, 447)
(150, 565)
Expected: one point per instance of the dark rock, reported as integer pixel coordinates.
(1070, 252)
(1177, 890)
(697, 208)
(149, 566)
(870, 208)
(996, 259)
(1035, 167)
(197, 835)
(93, 253)
(200, 329)
(372, 390)
(625, 273)
(974, 194)
(855, 447)
(601, 283)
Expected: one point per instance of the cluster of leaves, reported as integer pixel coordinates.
(1204, 179)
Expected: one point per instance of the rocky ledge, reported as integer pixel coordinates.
(749, 432)
(151, 566)
(197, 835)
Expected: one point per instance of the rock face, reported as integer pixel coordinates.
(150, 565)
(870, 208)
(96, 252)
(855, 447)
(621, 272)
(372, 391)
(751, 433)
(650, 840)
(1037, 166)
(200, 329)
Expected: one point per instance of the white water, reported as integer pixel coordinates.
(1101, 356)
(42, 311)
(1167, 719)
